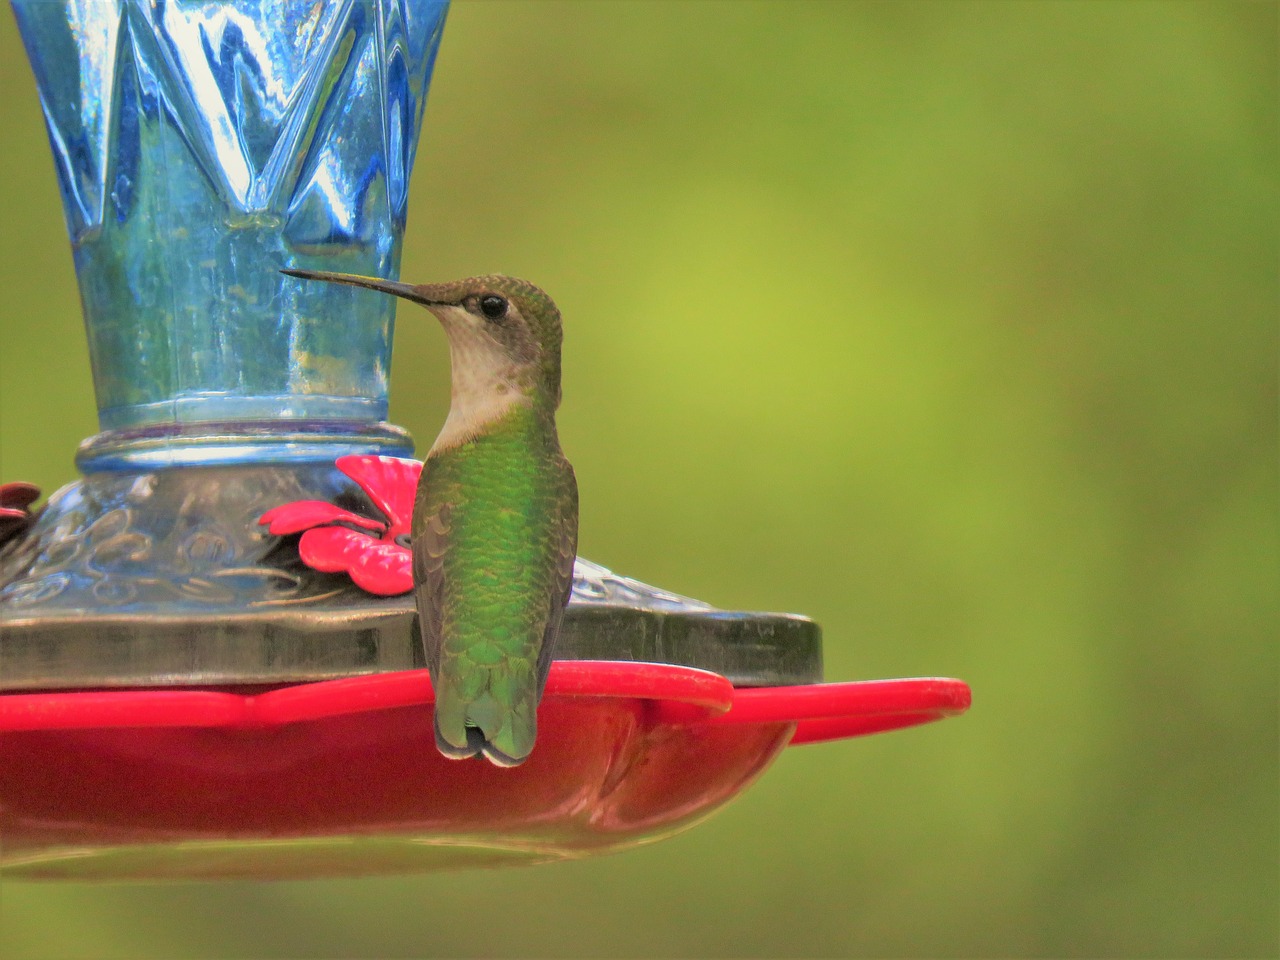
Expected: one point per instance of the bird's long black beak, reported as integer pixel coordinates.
(405, 290)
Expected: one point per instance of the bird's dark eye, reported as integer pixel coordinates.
(493, 306)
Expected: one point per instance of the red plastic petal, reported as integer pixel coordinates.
(333, 549)
(384, 568)
(687, 696)
(18, 495)
(390, 482)
(301, 514)
(831, 711)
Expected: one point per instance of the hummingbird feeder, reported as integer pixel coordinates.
(209, 665)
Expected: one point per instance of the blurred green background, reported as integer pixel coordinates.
(952, 326)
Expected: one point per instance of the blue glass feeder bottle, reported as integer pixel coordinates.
(199, 148)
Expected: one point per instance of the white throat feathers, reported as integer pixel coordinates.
(485, 387)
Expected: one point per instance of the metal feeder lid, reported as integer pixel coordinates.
(164, 578)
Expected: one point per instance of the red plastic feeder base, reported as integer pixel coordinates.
(343, 777)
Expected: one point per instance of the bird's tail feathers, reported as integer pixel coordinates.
(483, 727)
(473, 748)
(476, 746)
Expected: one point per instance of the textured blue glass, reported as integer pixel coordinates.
(200, 146)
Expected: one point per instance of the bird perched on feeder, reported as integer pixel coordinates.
(495, 519)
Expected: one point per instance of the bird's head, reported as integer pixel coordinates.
(502, 331)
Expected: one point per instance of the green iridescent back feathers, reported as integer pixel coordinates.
(494, 572)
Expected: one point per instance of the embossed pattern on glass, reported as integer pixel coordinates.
(201, 146)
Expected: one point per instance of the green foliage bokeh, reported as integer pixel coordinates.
(950, 325)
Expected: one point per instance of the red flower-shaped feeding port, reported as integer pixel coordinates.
(374, 552)
(342, 776)
(15, 509)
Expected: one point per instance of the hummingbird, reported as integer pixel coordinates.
(495, 517)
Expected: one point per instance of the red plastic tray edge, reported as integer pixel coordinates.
(822, 712)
